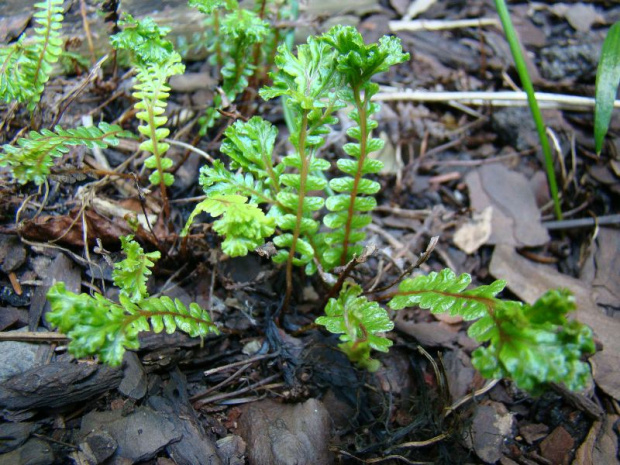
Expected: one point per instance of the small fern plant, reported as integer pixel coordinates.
(241, 42)
(534, 345)
(98, 326)
(328, 73)
(155, 61)
(26, 65)
(363, 325)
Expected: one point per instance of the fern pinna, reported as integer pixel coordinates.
(26, 65)
(98, 326)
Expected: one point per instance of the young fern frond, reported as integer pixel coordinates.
(152, 93)
(307, 81)
(242, 28)
(361, 323)
(250, 147)
(357, 63)
(243, 225)
(534, 345)
(26, 65)
(98, 326)
(34, 155)
(13, 83)
(145, 40)
(217, 180)
(155, 61)
(46, 49)
(132, 273)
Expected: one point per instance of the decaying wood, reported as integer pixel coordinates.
(54, 386)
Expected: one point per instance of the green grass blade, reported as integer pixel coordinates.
(515, 49)
(607, 81)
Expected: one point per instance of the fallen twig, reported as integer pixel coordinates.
(31, 336)
(499, 99)
(438, 25)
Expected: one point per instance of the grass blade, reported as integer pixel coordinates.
(526, 82)
(607, 81)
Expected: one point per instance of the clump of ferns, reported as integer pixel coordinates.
(242, 43)
(328, 73)
(532, 344)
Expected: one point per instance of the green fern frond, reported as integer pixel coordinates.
(250, 147)
(46, 48)
(152, 93)
(358, 63)
(156, 61)
(131, 274)
(243, 225)
(26, 66)
(361, 323)
(444, 292)
(243, 29)
(209, 6)
(34, 155)
(532, 345)
(14, 85)
(145, 40)
(97, 326)
(307, 81)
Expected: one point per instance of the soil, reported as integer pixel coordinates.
(274, 388)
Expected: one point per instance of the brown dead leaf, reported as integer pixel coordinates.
(516, 218)
(606, 263)
(476, 232)
(68, 230)
(433, 334)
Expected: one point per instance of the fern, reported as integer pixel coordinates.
(534, 345)
(34, 155)
(131, 274)
(361, 323)
(250, 147)
(145, 40)
(243, 225)
(217, 180)
(357, 63)
(235, 34)
(156, 61)
(14, 85)
(307, 81)
(26, 66)
(101, 327)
